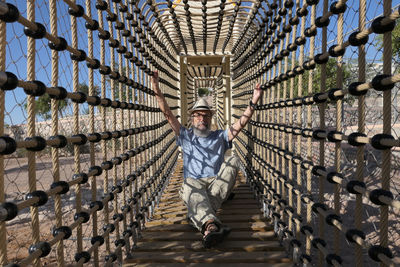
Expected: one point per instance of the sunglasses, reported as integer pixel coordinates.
(198, 115)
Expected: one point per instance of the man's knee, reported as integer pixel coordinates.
(192, 191)
(233, 161)
(185, 191)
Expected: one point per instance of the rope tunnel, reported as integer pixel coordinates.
(86, 153)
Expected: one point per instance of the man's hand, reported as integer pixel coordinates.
(162, 103)
(244, 119)
(257, 94)
(155, 82)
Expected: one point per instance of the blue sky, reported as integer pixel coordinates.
(16, 48)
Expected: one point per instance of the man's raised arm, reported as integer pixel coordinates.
(244, 119)
(162, 103)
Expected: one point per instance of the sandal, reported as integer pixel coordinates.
(213, 234)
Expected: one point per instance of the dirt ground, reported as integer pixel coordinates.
(19, 233)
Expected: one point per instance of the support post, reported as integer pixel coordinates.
(183, 91)
(226, 74)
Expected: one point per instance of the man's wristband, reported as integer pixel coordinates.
(252, 105)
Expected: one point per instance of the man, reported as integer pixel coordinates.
(208, 178)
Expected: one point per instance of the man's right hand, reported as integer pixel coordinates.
(155, 82)
(162, 103)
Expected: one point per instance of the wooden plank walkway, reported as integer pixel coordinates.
(168, 239)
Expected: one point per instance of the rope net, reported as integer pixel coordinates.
(86, 152)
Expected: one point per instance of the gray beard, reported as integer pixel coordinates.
(201, 133)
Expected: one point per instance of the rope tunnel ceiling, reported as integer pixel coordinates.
(203, 28)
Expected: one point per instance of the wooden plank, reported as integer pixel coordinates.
(170, 199)
(172, 191)
(181, 211)
(204, 60)
(170, 213)
(256, 226)
(209, 257)
(242, 186)
(189, 245)
(240, 211)
(176, 198)
(196, 235)
(169, 209)
(176, 184)
(246, 195)
(157, 221)
(177, 264)
(229, 206)
(240, 201)
(178, 202)
(170, 204)
(175, 181)
(226, 207)
(238, 195)
(169, 240)
(169, 217)
(244, 190)
(226, 218)
(182, 220)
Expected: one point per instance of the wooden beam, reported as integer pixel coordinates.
(226, 78)
(204, 60)
(183, 91)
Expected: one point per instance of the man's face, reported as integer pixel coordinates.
(201, 120)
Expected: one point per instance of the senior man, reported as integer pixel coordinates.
(208, 177)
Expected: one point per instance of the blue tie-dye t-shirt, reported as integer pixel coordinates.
(202, 156)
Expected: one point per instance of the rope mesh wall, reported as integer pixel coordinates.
(321, 149)
(97, 167)
(87, 151)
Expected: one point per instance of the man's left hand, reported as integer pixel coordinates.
(257, 94)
